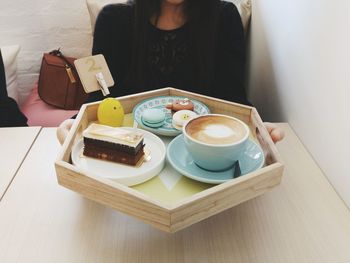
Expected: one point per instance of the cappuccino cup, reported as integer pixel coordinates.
(215, 141)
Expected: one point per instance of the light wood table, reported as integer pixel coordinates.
(302, 220)
(14, 145)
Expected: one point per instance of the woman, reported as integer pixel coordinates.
(160, 43)
(194, 45)
(10, 114)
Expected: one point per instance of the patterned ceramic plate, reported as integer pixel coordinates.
(160, 102)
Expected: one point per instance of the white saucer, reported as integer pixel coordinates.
(177, 155)
(124, 174)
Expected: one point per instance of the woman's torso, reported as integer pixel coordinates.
(169, 59)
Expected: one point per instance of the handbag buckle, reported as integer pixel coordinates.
(70, 74)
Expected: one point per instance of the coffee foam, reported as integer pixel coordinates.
(216, 130)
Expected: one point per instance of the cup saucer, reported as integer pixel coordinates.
(177, 155)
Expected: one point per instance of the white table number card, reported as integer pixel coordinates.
(94, 74)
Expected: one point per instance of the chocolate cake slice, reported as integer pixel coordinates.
(119, 144)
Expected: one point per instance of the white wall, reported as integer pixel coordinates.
(42, 25)
(300, 57)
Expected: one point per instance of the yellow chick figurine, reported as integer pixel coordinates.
(110, 112)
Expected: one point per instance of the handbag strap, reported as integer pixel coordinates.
(58, 53)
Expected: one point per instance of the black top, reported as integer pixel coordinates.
(10, 114)
(168, 62)
(3, 90)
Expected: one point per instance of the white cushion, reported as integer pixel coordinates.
(9, 56)
(95, 6)
(245, 10)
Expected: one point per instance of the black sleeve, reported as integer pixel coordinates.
(3, 90)
(231, 56)
(110, 36)
(10, 114)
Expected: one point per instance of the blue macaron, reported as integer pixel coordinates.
(153, 118)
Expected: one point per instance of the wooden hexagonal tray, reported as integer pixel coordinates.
(185, 202)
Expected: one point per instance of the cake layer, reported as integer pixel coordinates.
(113, 146)
(112, 155)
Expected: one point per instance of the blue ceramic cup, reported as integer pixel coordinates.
(215, 141)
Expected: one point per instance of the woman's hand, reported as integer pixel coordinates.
(276, 133)
(63, 129)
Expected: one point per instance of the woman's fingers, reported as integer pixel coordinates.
(276, 133)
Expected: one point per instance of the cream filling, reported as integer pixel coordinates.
(114, 135)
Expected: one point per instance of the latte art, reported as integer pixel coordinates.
(216, 130)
